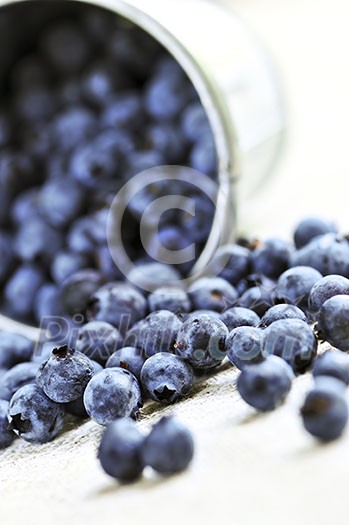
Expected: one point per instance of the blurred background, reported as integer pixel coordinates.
(309, 43)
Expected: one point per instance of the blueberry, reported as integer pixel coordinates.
(203, 156)
(310, 228)
(77, 289)
(14, 349)
(197, 227)
(36, 140)
(20, 290)
(254, 280)
(18, 376)
(72, 127)
(69, 92)
(258, 298)
(99, 340)
(65, 47)
(33, 416)
(201, 341)
(212, 293)
(295, 284)
(168, 246)
(166, 97)
(134, 51)
(166, 377)
(65, 375)
(293, 340)
(120, 450)
(329, 254)
(169, 448)
(271, 258)
(66, 263)
(77, 407)
(111, 394)
(326, 288)
(156, 333)
(92, 165)
(6, 434)
(333, 322)
(165, 138)
(47, 303)
(61, 201)
(119, 304)
(333, 364)
(125, 110)
(120, 143)
(26, 206)
(99, 82)
(325, 409)
(106, 265)
(238, 316)
(149, 276)
(169, 298)
(231, 262)
(138, 162)
(244, 345)
(37, 241)
(34, 103)
(128, 357)
(87, 233)
(194, 122)
(282, 311)
(265, 385)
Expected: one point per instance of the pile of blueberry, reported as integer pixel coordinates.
(266, 312)
(91, 101)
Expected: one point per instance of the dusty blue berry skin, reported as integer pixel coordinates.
(119, 304)
(77, 289)
(24, 284)
(329, 254)
(128, 357)
(244, 345)
(295, 284)
(293, 340)
(61, 201)
(258, 298)
(149, 276)
(325, 409)
(212, 293)
(169, 448)
(312, 227)
(18, 376)
(65, 375)
(36, 240)
(47, 302)
(327, 287)
(333, 322)
(238, 316)
(166, 377)
(231, 262)
(201, 341)
(272, 258)
(333, 364)
(65, 264)
(111, 394)
(98, 340)
(72, 127)
(77, 407)
(169, 298)
(156, 333)
(33, 416)
(6, 434)
(282, 311)
(14, 349)
(265, 385)
(120, 450)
